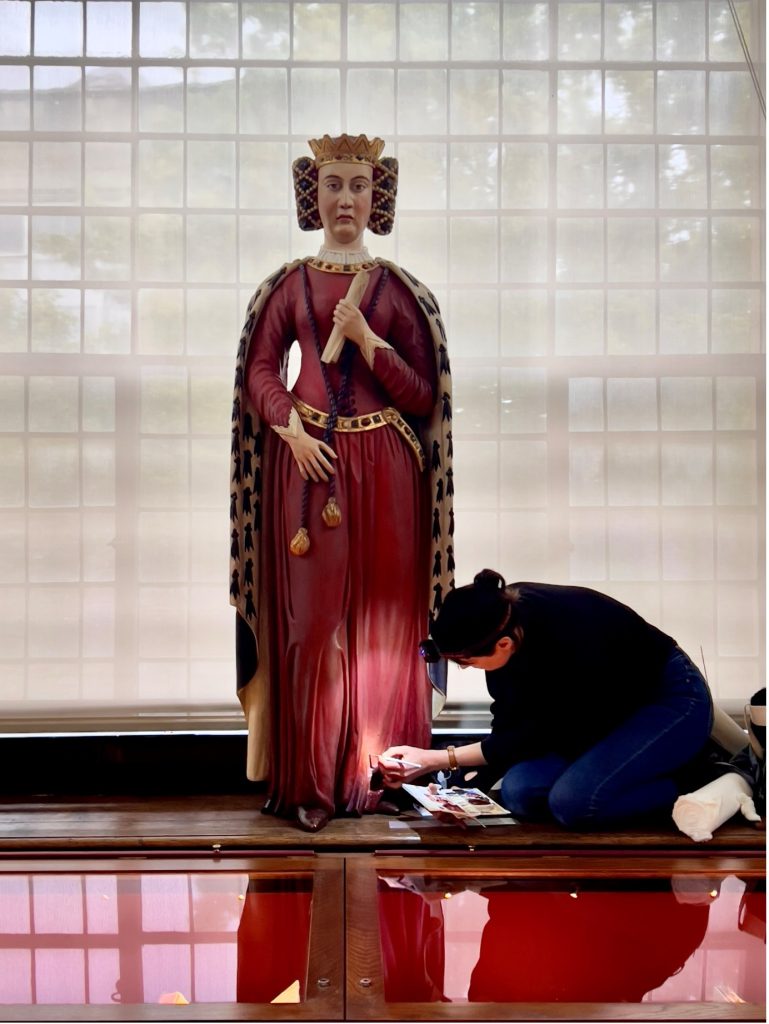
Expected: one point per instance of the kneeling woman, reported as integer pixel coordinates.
(595, 712)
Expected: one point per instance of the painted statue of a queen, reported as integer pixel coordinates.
(340, 500)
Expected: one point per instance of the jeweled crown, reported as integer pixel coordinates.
(346, 149)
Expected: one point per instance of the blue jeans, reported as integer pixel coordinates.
(630, 771)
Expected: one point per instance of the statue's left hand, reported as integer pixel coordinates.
(349, 319)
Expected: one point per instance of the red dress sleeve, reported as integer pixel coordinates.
(273, 334)
(407, 371)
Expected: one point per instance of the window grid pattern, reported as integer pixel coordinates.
(581, 185)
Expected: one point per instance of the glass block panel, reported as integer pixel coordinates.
(683, 176)
(526, 102)
(687, 545)
(317, 31)
(423, 247)
(160, 169)
(579, 176)
(53, 404)
(54, 632)
(214, 29)
(211, 100)
(524, 249)
(631, 403)
(633, 472)
(579, 31)
(737, 555)
(12, 404)
(735, 403)
(632, 245)
(422, 177)
(371, 101)
(98, 408)
(628, 31)
(161, 99)
(107, 244)
(55, 319)
(686, 403)
(736, 320)
(208, 477)
(579, 249)
(587, 546)
(424, 31)
(14, 184)
(681, 102)
(107, 173)
(162, 29)
(107, 326)
(211, 247)
(630, 176)
(109, 28)
(164, 400)
(579, 323)
(523, 394)
(53, 472)
(633, 545)
(57, 98)
(98, 470)
(683, 249)
(474, 104)
(684, 321)
(681, 30)
(266, 29)
(524, 481)
(631, 321)
(586, 403)
(14, 97)
(210, 173)
(579, 102)
(56, 173)
(475, 31)
(15, 18)
(164, 473)
(587, 472)
(162, 628)
(371, 31)
(739, 629)
(108, 99)
(473, 249)
(58, 28)
(724, 41)
(159, 246)
(12, 487)
(733, 104)
(526, 31)
(161, 321)
(210, 404)
(687, 472)
(475, 463)
(213, 321)
(56, 248)
(524, 323)
(476, 401)
(736, 248)
(473, 175)
(315, 99)
(98, 545)
(263, 101)
(13, 313)
(736, 471)
(734, 177)
(473, 322)
(629, 102)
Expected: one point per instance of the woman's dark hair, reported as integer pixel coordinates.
(475, 617)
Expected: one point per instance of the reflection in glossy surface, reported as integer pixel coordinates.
(587, 940)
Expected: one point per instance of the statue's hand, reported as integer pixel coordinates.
(349, 319)
(313, 457)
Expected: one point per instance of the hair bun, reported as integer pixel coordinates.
(488, 579)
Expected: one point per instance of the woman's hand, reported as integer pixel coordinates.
(395, 774)
(349, 319)
(313, 457)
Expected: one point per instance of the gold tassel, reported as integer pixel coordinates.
(332, 513)
(300, 545)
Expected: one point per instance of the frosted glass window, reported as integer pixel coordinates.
(315, 99)
(579, 102)
(162, 29)
(57, 98)
(164, 473)
(13, 310)
(579, 31)
(56, 248)
(213, 29)
(12, 404)
(633, 473)
(724, 41)
(107, 245)
(629, 102)
(424, 31)
(683, 249)
(579, 323)
(107, 321)
(266, 30)
(630, 317)
(686, 403)
(579, 176)
(523, 394)
(210, 404)
(687, 545)
(733, 104)
(473, 242)
(12, 488)
(164, 400)
(473, 175)
(161, 320)
(162, 624)
(54, 547)
(109, 28)
(525, 102)
(579, 250)
(371, 101)
(98, 472)
(684, 321)
(108, 101)
(735, 403)
(473, 322)
(55, 319)
(14, 184)
(525, 323)
(161, 99)
(56, 173)
(98, 404)
(13, 246)
(211, 100)
(211, 247)
(371, 31)
(423, 247)
(738, 621)
(210, 173)
(212, 317)
(631, 249)
(630, 176)
(628, 30)
(687, 472)
(317, 31)
(736, 320)
(586, 404)
(524, 482)
(53, 404)
(736, 249)
(15, 18)
(475, 31)
(263, 170)
(474, 102)
(159, 247)
(422, 177)
(633, 545)
(58, 28)
(53, 472)
(107, 174)
(587, 546)
(631, 403)
(525, 175)
(681, 30)
(263, 101)
(736, 471)
(681, 102)
(525, 31)
(163, 544)
(475, 403)
(14, 97)
(737, 546)
(160, 169)
(683, 176)
(734, 177)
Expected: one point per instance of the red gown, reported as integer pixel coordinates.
(341, 625)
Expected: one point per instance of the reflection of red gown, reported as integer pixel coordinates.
(341, 625)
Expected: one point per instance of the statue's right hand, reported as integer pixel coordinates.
(313, 457)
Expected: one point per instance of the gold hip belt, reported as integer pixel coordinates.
(366, 421)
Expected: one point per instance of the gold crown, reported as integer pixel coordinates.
(346, 149)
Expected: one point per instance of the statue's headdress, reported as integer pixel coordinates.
(346, 149)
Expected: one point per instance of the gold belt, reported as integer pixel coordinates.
(366, 421)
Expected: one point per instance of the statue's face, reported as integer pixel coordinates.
(344, 202)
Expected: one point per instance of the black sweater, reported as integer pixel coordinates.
(586, 662)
